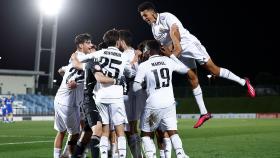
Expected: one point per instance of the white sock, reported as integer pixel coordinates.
(148, 147)
(122, 146)
(197, 92)
(177, 145)
(168, 147)
(225, 73)
(56, 153)
(104, 143)
(113, 149)
(161, 153)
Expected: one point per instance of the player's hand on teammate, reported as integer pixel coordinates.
(72, 84)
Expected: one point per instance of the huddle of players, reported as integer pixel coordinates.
(104, 72)
(107, 74)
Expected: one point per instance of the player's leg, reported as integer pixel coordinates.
(113, 152)
(104, 141)
(134, 107)
(148, 144)
(197, 91)
(58, 144)
(83, 141)
(95, 139)
(65, 152)
(93, 118)
(227, 74)
(9, 113)
(169, 123)
(164, 143)
(119, 119)
(60, 127)
(4, 113)
(148, 127)
(201, 57)
(103, 110)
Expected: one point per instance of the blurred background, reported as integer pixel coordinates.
(239, 35)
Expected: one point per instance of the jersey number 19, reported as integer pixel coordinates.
(164, 75)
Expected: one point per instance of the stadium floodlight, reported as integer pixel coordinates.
(50, 7)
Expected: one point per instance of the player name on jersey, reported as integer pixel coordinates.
(158, 63)
(112, 53)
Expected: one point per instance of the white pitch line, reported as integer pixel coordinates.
(19, 136)
(47, 141)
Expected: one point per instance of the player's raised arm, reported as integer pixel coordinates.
(175, 37)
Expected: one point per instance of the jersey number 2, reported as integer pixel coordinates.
(164, 74)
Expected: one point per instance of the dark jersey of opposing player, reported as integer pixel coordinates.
(89, 106)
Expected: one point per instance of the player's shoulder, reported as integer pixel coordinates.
(165, 15)
(144, 65)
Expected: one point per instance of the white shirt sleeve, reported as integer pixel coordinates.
(172, 19)
(140, 75)
(178, 65)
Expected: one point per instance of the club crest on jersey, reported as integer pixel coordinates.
(97, 67)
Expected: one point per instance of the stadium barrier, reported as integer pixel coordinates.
(179, 116)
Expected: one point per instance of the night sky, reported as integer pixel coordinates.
(240, 36)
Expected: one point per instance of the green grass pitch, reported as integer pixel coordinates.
(218, 138)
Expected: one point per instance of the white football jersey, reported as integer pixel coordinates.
(161, 31)
(113, 63)
(157, 72)
(71, 97)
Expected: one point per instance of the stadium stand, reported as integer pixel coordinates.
(32, 104)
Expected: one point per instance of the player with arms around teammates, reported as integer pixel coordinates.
(69, 98)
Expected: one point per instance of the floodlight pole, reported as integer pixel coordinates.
(53, 52)
(38, 49)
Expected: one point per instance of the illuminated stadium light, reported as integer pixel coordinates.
(50, 7)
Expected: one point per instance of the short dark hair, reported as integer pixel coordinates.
(111, 37)
(126, 35)
(141, 45)
(81, 38)
(101, 45)
(146, 6)
(152, 46)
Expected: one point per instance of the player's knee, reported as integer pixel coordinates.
(193, 79)
(171, 132)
